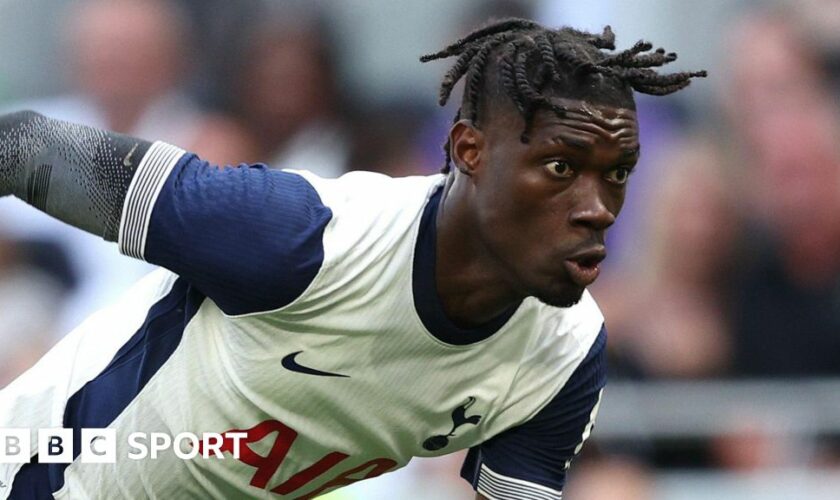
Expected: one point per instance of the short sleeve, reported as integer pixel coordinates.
(530, 461)
(248, 237)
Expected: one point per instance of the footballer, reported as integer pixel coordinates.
(340, 327)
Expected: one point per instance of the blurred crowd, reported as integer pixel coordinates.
(724, 265)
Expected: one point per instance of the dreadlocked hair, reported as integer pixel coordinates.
(533, 63)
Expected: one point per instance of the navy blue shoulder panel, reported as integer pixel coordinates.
(248, 237)
(538, 450)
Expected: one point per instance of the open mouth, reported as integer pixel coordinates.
(585, 267)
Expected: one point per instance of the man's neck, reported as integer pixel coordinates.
(470, 282)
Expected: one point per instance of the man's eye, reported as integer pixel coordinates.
(618, 175)
(560, 169)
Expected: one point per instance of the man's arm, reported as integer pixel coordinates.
(248, 237)
(77, 174)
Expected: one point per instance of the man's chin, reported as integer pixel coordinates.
(568, 297)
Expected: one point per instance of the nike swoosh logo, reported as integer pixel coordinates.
(127, 160)
(289, 363)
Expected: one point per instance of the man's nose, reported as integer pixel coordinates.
(589, 210)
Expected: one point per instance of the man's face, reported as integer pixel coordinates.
(543, 208)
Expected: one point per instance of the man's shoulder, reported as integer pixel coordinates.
(371, 212)
(563, 338)
(582, 321)
(560, 340)
(372, 189)
(369, 240)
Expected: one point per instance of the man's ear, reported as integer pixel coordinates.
(467, 146)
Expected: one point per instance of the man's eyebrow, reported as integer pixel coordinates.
(630, 151)
(580, 143)
(571, 140)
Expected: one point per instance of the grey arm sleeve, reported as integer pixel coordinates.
(77, 174)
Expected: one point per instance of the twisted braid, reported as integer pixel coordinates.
(532, 60)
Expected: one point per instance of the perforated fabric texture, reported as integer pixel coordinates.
(76, 173)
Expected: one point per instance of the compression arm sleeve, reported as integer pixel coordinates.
(75, 173)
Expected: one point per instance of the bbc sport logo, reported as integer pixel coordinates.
(100, 445)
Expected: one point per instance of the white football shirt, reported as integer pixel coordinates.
(302, 312)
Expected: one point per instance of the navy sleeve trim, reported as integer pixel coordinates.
(530, 461)
(142, 193)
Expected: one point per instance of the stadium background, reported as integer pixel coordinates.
(722, 291)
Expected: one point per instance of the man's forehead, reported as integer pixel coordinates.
(609, 117)
(582, 123)
(604, 115)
